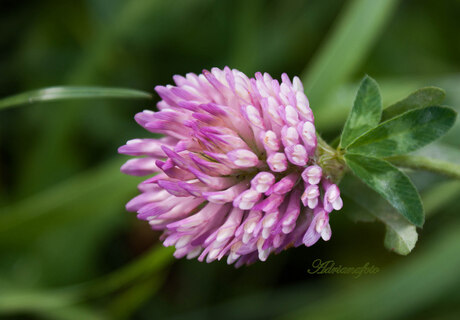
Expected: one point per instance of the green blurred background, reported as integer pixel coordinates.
(68, 248)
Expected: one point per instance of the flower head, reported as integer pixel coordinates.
(237, 172)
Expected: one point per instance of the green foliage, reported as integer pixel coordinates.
(405, 133)
(365, 114)
(413, 123)
(400, 235)
(424, 97)
(390, 183)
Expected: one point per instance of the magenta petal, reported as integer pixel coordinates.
(270, 204)
(140, 166)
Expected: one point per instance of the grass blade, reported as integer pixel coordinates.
(350, 41)
(71, 93)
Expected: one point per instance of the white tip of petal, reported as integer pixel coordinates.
(243, 158)
(232, 257)
(308, 133)
(297, 154)
(297, 84)
(277, 162)
(246, 238)
(182, 242)
(254, 116)
(262, 181)
(326, 232)
(194, 253)
(292, 117)
(270, 141)
(250, 226)
(289, 136)
(248, 199)
(224, 234)
(320, 224)
(246, 205)
(212, 255)
(263, 254)
(312, 203)
(312, 174)
(288, 228)
(266, 233)
(337, 204)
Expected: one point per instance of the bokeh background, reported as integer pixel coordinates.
(68, 248)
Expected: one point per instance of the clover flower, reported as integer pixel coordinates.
(236, 173)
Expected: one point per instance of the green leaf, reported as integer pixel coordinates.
(400, 238)
(405, 133)
(424, 97)
(365, 114)
(400, 235)
(392, 184)
(71, 93)
(339, 102)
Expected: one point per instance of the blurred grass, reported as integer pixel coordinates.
(80, 195)
(71, 93)
(399, 290)
(353, 35)
(65, 301)
(63, 222)
(39, 229)
(396, 292)
(56, 134)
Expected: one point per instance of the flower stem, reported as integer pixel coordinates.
(428, 164)
(330, 160)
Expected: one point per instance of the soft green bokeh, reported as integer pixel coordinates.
(68, 248)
